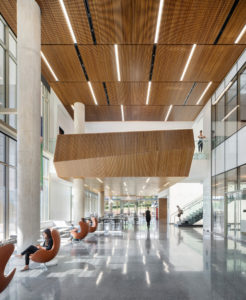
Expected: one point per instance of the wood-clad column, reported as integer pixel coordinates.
(28, 133)
(78, 205)
(163, 210)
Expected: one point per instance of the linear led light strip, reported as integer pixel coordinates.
(48, 65)
(98, 179)
(148, 179)
(240, 35)
(148, 93)
(168, 112)
(117, 61)
(158, 21)
(236, 107)
(68, 21)
(92, 93)
(204, 92)
(188, 61)
(122, 113)
(221, 95)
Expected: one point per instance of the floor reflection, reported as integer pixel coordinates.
(165, 262)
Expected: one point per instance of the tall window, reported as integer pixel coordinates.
(8, 191)
(8, 72)
(231, 111)
(242, 99)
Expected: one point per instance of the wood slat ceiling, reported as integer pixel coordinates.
(147, 153)
(141, 113)
(132, 25)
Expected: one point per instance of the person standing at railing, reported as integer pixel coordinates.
(201, 137)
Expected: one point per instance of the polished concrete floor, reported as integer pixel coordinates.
(164, 263)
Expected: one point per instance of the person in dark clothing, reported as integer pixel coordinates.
(148, 217)
(47, 245)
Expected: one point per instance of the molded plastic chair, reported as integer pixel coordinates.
(93, 228)
(44, 256)
(84, 229)
(5, 253)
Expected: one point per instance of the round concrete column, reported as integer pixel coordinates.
(78, 205)
(101, 204)
(121, 206)
(28, 133)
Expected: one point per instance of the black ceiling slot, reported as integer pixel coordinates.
(106, 92)
(152, 62)
(188, 96)
(81, 61)
(226, 21)
(87, 8)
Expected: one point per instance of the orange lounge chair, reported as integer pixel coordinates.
(5, 253)
(44, 256)
(93, 228)
(84, 229)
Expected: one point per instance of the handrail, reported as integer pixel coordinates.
(189, 204)
(187, 207)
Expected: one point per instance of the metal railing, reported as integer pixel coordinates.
(204, 154)
(188, 210)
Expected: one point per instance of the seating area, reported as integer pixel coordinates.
(59, 229)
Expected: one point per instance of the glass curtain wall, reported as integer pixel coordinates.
(8, 190)
(8, 72)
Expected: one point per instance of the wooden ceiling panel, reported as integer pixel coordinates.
(184, 113)
(54, 26)
(169, 62)
(99, 62)
(135, 62)
(124, 21)
(8, 11)
(193, 22)
(197, 92)
(102, 113)
(212, 63)
(77, 15)
(145, 113)
(71, 92)
(64, 62)
(167, 93)
(235, 25)
(127, 93)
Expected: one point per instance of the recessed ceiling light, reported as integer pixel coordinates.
(92, 93)
(148, 93)
(98, 179)
(48, 65)
(204, 92)
(122, 113)
(240, 34)
(221, 95)
(68, 21)
(227, 116)
(168, 112)
(117, 61)
(188, 61)
(161, 3)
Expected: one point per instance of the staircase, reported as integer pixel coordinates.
(192, 213)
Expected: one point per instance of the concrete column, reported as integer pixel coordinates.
(78, 206)
(136, 207)
(101, 204)
(29, 114)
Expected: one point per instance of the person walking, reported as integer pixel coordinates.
(148, 217)
(180, 212)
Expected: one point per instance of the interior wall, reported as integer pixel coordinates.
(99, 127)
(59, 199)
(163, 210)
